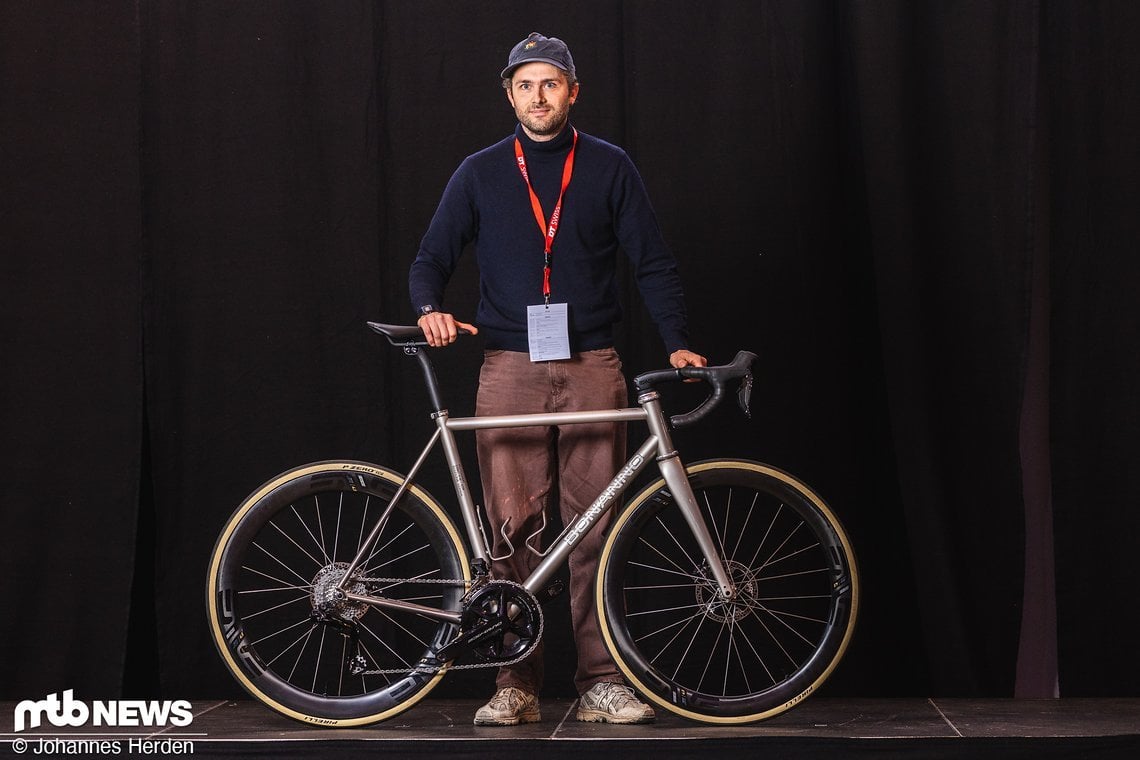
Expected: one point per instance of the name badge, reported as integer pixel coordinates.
(548, 332)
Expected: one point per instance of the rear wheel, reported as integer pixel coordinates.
(737, 660)
(277, 615)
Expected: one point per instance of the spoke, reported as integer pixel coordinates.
(660, 569)
(658, 586)
(402, 627)
(300, 653)
(767, 532)
(759, 658)
(336, 534)
(285, 585)
(684, 624)
(320, 651)
(682, 621)
(275, 607)
(281, 562)
(712, 519)
(363, 522)
(316, 541)
(291, 540)
(379, 549)
(732, 629)
(321, 529)
(397, 559)
(292, 644)
(340, 673)
(684, 655)
(787, 538)
(678, 543)
(781, 615)
(708, 662)
(384, 644)
(755, 614)
(280, 631)
(663, 609)
(744, 528)
(661, 553)
(790, 598)
(763, 578)
(772, 561)
(759, 603)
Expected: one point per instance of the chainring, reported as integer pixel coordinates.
(501, 622)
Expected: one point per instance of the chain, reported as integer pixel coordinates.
(394, 581)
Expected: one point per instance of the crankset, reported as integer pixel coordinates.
(501, 624)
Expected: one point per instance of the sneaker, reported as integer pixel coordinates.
(509, 707)
(613, 703)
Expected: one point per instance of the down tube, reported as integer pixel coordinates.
(574, 532)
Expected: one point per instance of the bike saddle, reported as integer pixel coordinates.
(399, 334)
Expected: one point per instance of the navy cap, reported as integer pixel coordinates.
(538, 49)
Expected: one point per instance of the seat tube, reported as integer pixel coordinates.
(459, 483)
(673, 470)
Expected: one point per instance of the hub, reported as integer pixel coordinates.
(717, 606)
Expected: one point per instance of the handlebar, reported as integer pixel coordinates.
(718, 377)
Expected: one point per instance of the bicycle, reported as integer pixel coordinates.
(341, 592)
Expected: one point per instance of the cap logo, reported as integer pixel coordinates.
(530, 44)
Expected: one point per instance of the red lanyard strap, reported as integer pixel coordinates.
(548, 230)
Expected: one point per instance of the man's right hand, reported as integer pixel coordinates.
(441, 329)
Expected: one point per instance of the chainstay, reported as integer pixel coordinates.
(433, 671)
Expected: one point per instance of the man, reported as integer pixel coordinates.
(547, 210)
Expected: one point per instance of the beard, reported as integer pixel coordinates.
(546, 126)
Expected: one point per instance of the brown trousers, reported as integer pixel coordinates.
(518, 467)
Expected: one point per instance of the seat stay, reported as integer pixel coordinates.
(369, 543)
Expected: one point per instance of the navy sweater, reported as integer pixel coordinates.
(605, 208)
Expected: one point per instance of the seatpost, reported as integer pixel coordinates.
(429, 377)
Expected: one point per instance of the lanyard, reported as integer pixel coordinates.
(548, 230)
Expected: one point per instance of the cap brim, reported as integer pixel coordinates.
(511, 69)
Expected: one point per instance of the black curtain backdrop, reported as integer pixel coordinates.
(920, 215)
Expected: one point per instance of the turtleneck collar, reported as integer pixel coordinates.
(559, 144)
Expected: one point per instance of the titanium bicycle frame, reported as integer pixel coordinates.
(658, 445)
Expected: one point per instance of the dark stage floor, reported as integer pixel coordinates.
(920, 728)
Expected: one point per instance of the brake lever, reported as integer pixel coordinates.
(744, 395)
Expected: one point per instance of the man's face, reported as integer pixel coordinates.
(541, 98)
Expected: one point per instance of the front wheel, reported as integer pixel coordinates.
(738, 660)
(280, 619)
